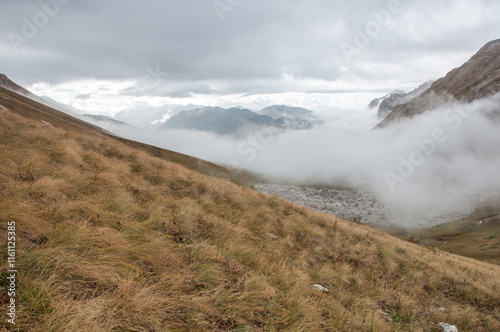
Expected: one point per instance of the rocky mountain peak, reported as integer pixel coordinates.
(390, 101)
(476, 79)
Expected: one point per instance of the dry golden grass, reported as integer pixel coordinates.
(477, 237)
(112, 238)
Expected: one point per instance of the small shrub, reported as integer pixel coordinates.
(136, 168)
(58, 157)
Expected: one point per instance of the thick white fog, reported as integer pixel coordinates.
(439, 163)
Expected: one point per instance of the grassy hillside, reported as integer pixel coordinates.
(115, 237)
(33, 110)
(479, 238)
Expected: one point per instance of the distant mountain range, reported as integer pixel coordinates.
(235, 121)
(282, 111)
(95, 117)
(476, 79)
(151, 117)
(240, 121)
(103, 121)
(390, 101)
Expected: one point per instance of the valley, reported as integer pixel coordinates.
(475, 234)
(114, 234)
(253, 181)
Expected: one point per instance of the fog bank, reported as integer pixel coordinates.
(438, 163)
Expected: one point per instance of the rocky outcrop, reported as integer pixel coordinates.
(447, 327)
(476, 79)
(390, 101)
(384, 102)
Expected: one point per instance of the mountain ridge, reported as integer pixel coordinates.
(7, 83)
(238, 122)
(477, 78)
(389, 102)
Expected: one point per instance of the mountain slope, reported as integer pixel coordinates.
(221, 121)
(278, 111)
(113, 237)
(105, 122)
(390, 101)
(239, 122)
(8, 84)
(32, 109)
(476, 79)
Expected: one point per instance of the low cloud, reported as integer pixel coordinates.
(436, 164)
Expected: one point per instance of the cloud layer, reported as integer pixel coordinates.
(257, 46)
(423, 169)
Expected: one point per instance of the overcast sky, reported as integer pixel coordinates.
(123, 53)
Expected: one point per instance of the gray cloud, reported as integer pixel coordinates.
(257, 41)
